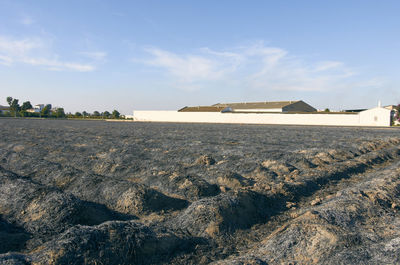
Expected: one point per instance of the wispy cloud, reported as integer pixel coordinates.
(95, 55)
(255, 66)
(55, 65)
(6, 60)
(27, 21)
(190, 70)
(36, 52)
(14, 47)
(187, 68)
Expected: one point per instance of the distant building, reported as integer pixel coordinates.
(373, 117)
(36, 108)
(39, 107)
(202, 109)
(391, 107)
(255, 107)
(354, 110)
(4, 109)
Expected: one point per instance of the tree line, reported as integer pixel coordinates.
(24, 110)
(27, 110)
(96, 115)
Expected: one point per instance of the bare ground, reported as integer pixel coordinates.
(93, 192)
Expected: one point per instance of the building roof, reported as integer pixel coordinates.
(202, 109)
(4, 107)
(257, 105)
(390, 107)
(354, 110)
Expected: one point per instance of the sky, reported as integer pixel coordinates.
(164, 55)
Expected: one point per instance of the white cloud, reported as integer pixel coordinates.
(323, 66)
(99, 56)
(6, 60)
(186, 68)
(55, 65)
(18, 47)
(188, 71)
(27, 21)
(251, 67)
(37, 52)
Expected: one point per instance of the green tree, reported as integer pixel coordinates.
(397, 116)
(106, 114)
(46, 111)
(26, 105)
(96, 113)
(78, 114)
(115, 114)
(327, 110)
(14, 106)
(60, 113)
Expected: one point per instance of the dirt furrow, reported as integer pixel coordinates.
(76, 192)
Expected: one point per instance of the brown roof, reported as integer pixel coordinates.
(257, 105)
(202, 109)
(391, 107)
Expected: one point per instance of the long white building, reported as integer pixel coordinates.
(227, 114)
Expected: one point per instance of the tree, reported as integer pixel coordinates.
(106, 114)
(14, 106)
(115, 114)
(327, 110)
(397, 117)
(78, 114)
(46, 110)
(96, 113)
(60, 113)
(26, 105)
(84, 113)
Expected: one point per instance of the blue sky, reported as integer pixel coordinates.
(103, 55)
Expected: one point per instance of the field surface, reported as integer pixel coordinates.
(94, 192)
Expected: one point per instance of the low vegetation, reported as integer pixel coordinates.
(397, 115)
(47, 111)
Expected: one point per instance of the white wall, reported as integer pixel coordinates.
(375, 117)
(365, 118)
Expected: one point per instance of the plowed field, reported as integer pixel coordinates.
(94, 192)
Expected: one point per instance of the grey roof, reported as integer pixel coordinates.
(354, 110)
(202, 109)
(257, 105)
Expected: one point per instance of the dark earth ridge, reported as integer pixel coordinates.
(74, 192)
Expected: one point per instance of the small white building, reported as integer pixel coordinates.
(4, 109)
(36, 108)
